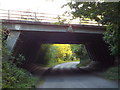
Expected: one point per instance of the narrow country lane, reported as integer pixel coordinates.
(67, 75)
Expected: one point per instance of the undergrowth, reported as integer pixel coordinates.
(112, 73)
(14, 77)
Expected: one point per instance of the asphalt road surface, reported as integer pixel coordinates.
(67, 75)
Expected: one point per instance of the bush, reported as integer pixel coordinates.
(112, 37)
(13, 76)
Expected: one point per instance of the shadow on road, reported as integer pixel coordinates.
(65, 72)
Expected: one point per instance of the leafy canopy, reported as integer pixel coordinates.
(105, 13)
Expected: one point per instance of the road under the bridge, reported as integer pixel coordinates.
(67, 75)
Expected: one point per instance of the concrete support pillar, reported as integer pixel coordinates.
(12, 39)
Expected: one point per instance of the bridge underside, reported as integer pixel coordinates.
(29, 43)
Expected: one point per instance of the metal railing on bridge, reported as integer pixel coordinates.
(40, 17)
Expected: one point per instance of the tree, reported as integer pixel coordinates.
(79, 50)
(106, 13)
(58, 53)
(61, 52)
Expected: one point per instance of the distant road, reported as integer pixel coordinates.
(67, 75)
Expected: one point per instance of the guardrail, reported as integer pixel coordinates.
(26, 15)
(35, 16)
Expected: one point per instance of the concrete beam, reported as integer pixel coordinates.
(49, 27)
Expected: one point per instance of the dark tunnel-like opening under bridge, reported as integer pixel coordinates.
(26, 37)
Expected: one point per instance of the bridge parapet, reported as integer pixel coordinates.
(42, 17)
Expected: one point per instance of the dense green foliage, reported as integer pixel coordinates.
(105, 13)
(80, 51)
(61, 53)
(57, 53)
(112, 36)
(12, 75)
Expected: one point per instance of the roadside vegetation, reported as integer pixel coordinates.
(12, 75)
(112, 73)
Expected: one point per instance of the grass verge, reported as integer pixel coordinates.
(112, 73)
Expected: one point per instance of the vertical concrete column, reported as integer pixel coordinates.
(12, 39)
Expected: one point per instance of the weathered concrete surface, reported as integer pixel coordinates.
(66, 75)
(12, 39)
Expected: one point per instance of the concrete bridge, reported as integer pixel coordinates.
(26, 37)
